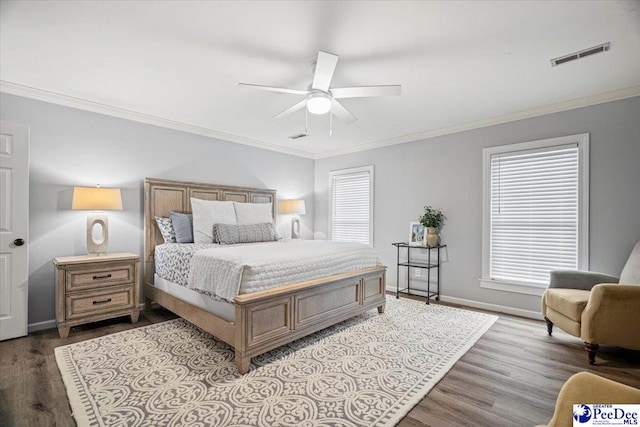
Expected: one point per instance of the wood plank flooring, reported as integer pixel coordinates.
(511, 377)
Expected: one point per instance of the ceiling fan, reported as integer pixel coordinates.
(320, 98)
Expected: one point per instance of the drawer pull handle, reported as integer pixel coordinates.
(102, 302)
(106, 276)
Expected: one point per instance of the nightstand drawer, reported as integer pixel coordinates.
(85, 277)
(82, 304)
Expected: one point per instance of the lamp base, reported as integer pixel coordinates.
(295, 228)
(97, 233)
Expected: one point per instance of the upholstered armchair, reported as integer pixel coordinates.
(596, 307)
(585, 387)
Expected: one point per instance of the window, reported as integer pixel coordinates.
(535, 212)
(351, 205)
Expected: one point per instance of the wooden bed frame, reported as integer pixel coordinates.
(267, 319)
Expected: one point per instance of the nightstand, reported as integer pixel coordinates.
(91, 288)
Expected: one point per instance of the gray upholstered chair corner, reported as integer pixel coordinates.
(596, 307)
(578, 279)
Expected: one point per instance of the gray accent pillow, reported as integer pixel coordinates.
(230, 234)
(166, 229)
(183, 226)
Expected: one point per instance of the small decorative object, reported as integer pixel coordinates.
(416, 234)
(432, 220)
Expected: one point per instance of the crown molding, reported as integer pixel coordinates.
(498, 120)
(83, 104)
(95, 107)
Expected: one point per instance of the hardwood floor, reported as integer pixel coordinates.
(511, 377)
(32, 393)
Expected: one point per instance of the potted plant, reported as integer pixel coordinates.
(432, 219)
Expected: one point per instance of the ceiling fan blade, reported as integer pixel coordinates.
(342, 113)
(276, 89)
(325, 66)
(365, 91)
(300, 105)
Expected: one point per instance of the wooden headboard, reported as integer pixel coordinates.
(162, 196)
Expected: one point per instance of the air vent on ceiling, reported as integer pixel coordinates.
(581, 54)
(300, 135)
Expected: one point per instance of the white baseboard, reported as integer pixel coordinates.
(39, 326)
(487, 306)
(50, 324)
(493, 307)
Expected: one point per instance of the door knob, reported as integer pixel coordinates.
(18, 242)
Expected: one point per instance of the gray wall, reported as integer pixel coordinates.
(71, 147)
(446, 172)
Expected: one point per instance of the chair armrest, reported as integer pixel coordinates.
(577, 279)
(612, 316)
(585, 387)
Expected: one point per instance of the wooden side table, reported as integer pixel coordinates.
(91, 288)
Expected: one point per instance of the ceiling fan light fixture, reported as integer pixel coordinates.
(321, 98)
(319, 103)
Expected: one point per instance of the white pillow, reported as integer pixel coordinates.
(253, 213)
(209, 212)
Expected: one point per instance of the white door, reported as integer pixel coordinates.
(14, 229)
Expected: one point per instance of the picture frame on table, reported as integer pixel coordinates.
(417, 234)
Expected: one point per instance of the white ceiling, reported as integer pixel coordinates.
(178, 64)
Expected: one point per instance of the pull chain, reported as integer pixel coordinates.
(331, 119)
(306, 121)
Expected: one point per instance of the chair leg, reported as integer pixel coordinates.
(549, 325)
(592, 349)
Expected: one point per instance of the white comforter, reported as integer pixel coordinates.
(227, 271)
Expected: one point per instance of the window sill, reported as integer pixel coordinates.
(519, 288)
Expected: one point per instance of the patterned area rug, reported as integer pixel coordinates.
(369, 370)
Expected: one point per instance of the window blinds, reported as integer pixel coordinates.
(351, 207)
(534, 213)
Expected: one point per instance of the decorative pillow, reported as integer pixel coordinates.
(230, 234)
(183, 226)
(253, 213)
(166, 229)
(209, 212)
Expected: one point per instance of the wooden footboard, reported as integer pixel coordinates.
(268, 319)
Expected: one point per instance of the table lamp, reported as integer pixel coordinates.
(295, 208)
(97, 199)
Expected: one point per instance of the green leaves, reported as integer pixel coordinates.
(432, 217)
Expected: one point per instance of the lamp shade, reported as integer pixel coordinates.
(293, 207)
(96, 199)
